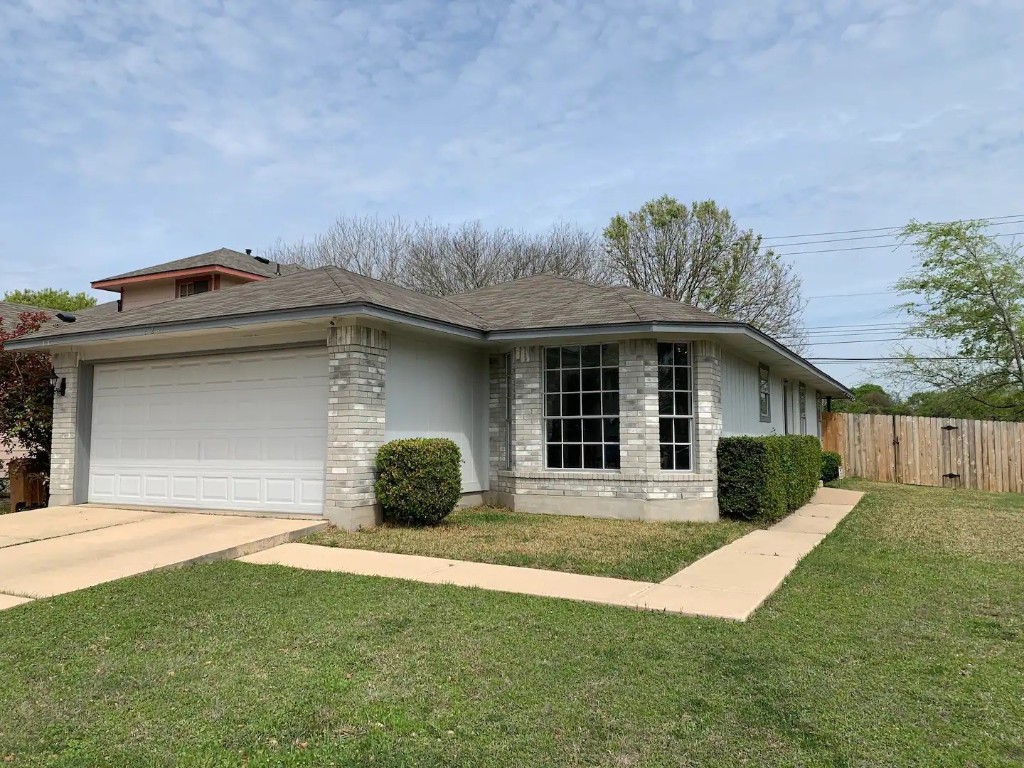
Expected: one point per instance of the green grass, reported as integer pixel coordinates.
(899, 641)
(619, 548)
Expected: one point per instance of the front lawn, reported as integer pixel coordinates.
(898, 641)
(620, 548)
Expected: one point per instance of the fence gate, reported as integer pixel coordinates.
(952, 453)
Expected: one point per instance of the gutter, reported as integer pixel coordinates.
(406, 318)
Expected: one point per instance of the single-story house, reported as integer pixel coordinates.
(229, 382)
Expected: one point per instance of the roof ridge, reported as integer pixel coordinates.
(445, 299)
(626, 301)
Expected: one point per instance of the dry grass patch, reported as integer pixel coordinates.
(626, 549)
(981, 525)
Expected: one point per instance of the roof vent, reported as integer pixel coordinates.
(248, 251)
(261, 259)
(66, 317)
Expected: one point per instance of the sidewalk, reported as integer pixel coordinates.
(730, 583)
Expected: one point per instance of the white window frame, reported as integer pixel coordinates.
(764, 392)
(668, 407)
(802, 395)
(606, 414)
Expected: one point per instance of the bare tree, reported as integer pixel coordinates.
(443, 259)
(698, 255)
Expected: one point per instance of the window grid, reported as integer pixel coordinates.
(581, 406)
(675, 406)
(803, 409)
(764, 389)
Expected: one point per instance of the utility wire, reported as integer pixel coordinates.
(868, 237)
(885, 229)
(891, 246)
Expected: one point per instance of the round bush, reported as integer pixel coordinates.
(830, 464)
(419, 480)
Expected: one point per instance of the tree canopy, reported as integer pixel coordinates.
(51, 298)
(968, 306)
(26, 396)
(699, 255)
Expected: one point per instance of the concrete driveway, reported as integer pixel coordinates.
(46, 552)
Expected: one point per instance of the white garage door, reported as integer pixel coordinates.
(234, 431)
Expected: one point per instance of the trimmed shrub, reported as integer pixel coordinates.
(830, 464)
(766, 478)
(419, 480)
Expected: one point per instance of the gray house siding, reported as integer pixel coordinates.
(741, 405)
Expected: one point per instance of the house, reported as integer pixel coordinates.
(269, 388)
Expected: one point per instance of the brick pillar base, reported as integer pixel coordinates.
(357, 357)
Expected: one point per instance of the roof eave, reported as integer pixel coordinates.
(114, 283)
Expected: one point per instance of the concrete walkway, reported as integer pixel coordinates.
(730, 583)
(50, 551)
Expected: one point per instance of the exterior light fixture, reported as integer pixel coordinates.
(59, 384)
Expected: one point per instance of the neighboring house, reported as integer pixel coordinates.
(274, 395)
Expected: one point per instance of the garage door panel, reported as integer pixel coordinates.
(243, 431)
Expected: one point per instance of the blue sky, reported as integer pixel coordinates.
(133, 133)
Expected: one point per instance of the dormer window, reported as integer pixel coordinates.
(192, 287)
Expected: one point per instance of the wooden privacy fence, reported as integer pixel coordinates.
(955, 453)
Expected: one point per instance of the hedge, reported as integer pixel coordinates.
(419, 480)
(830, 464)
(766, 478)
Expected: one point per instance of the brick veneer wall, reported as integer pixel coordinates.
(357, 359)
(65, 431)
(640, 489)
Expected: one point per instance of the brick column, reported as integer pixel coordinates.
(65, 431)
(357, 357)
(708, 405)
(638, 406)
(528, 409)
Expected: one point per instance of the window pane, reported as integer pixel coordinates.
(572, 430)
(571, 381)
(682, 430)
(591, 403)
(571, 405)
(682, 354)
(572, 456)
(554, 431)
(610, 403)
(201, 286)
(665, 354)
(666, 457)
(591, 430)
(590, 380)
(611, 430)
(611, 457)
(570, 357)
(610, 354)
(610, 379)
(683, 403)
(665, 430)
(664, 378)
(552, 405)
(551, 357)
(555, 456)
(553, 380)
(590, 356)
(682, 378)
(683, 457)
(593, 456)
(665, 403)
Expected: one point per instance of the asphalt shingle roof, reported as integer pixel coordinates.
(537, 302)
(222, 257)
(552, 301)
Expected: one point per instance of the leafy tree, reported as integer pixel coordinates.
(51, 298)
(869, 398)
(971, 309)
(954, 405)
(26, 397)
(699, 255)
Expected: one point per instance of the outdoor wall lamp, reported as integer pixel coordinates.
(59, 384)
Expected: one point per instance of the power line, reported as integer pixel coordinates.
(891, 246)
(883, 229)
(844, 295)
(869, 237)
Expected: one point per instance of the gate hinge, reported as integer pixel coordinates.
(951, 475)
(949, 427)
